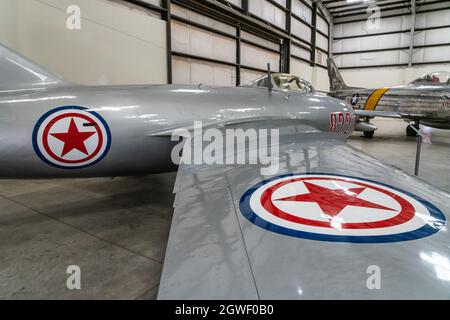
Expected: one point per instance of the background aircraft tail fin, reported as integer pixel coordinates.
(336, 80)
(17, 72)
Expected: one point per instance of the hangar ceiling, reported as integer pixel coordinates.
(339, 9)
(342, 8)
(392, 33)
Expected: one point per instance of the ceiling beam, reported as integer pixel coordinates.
(325, 11)
(364, 12)
(356, 5)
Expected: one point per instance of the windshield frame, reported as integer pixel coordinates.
(262, 82)
(429, 79)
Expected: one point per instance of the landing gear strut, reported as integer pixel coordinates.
(368, 134)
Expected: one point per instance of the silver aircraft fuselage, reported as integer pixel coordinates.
(427, 102)
(139, 119)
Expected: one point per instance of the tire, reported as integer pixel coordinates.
(410, 132)
(369, 134)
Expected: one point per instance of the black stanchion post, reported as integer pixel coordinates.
(419, 146)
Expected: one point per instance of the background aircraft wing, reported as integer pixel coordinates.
(215, 251)
(382, 114)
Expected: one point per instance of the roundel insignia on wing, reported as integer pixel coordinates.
(339, 208)
(71, 137)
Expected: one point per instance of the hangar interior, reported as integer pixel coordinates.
(117, 228)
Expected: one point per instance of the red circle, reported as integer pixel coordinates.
(67, 115)
(406, 213)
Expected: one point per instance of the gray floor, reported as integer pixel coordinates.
(391, 145)
(116, 230)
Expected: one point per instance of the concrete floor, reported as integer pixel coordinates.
(116, 230)
(391, 145)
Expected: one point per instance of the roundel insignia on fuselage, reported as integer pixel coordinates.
(354, 99)
(71, 137)
(338, 208)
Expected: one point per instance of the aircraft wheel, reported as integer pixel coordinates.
(410, 132)
(369, 134)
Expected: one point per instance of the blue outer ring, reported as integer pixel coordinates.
(49, 113)
(422, 232)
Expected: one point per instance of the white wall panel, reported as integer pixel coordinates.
(322, 24)
(301, 69)
(299, 9)
(436, 36)
(248, 76)
(266, 43)
(155, 2)
(433, 19)
(321, 41)
(236, 2)
(195, 41)
(321, 58)
(9, 29)
(372, 43)
(389, 76)
(373, 78)
(282, 2)
(321, 81)
(258, 58)
(317, 76)
(428, 37)
(361, 28)
(433, 54)
(117, 43)
(202, 19)
(191, 71)
(372, 58)
(301, 30)
(300, 52)
(432, 37)
(268, 12)
(380, 77)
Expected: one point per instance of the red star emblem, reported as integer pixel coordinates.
(73, 139)
(333, 201)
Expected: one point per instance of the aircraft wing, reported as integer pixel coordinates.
(228, 239)
(382, 114)
(388, 114)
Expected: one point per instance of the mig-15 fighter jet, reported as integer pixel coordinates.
(330, 222)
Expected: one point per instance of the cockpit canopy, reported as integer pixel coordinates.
(435, 78)
(284, 82)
